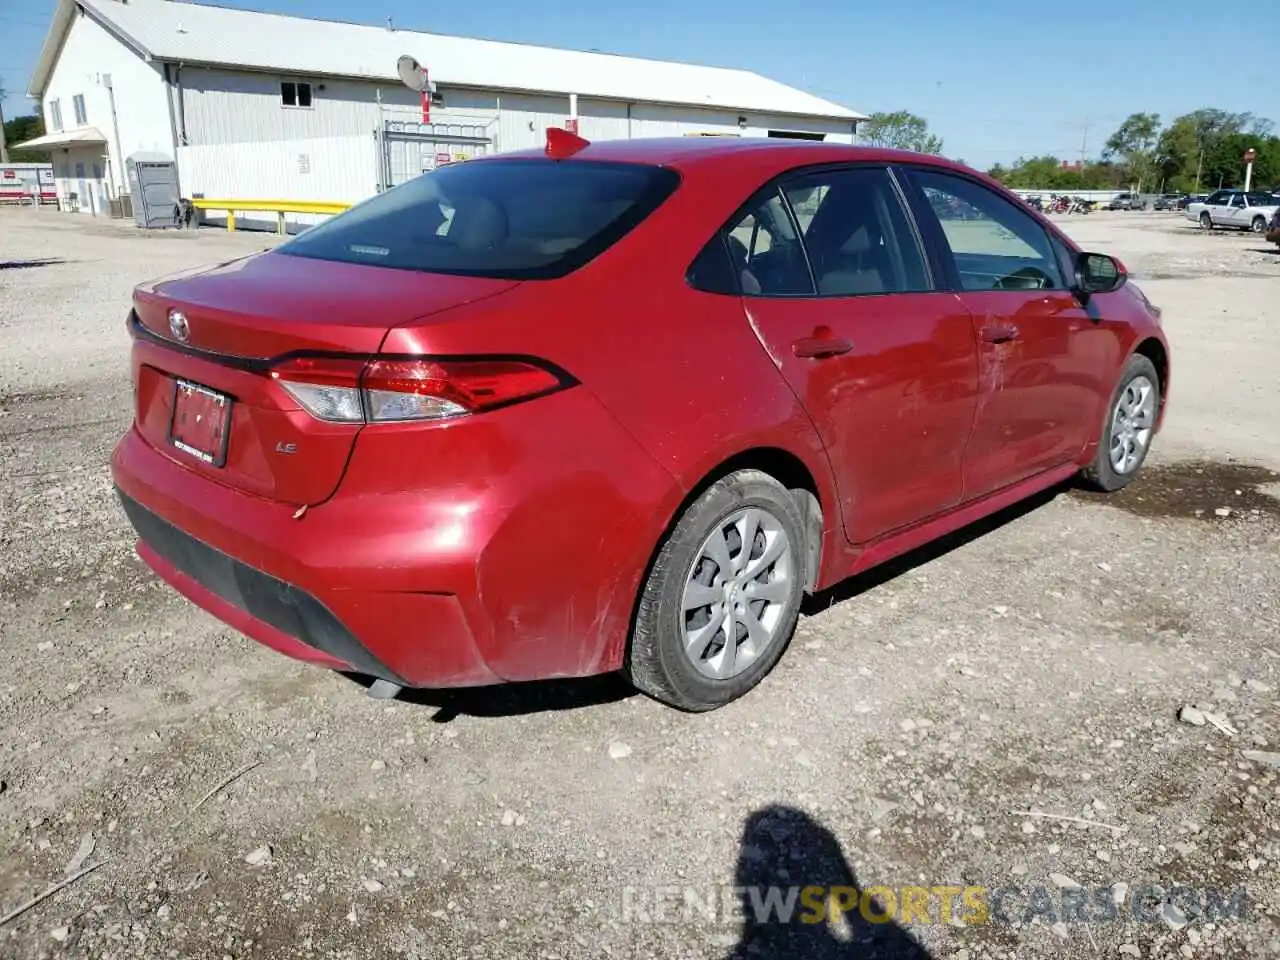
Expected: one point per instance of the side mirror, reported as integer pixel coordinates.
(1098, 273)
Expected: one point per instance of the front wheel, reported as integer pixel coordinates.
(1206, 222)
(723, 596)
(1129, 427)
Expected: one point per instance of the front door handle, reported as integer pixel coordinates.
(821, 344)
(999, 332)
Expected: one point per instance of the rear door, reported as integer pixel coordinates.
(839, 292)
(1040, 355)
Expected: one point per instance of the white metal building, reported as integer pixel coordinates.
(260, 106)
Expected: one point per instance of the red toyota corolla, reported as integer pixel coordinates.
(618, 406)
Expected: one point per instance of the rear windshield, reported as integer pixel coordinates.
(518, 219)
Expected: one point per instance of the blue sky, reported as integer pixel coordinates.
(995, 79)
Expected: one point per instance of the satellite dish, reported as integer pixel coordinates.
(411, 73)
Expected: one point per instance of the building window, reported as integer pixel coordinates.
(55, 114)
(82, 117)
(295, 93)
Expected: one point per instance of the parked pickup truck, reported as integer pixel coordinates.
(1235, 209)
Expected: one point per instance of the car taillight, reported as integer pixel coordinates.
(358, 390)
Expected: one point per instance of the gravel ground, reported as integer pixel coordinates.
(1037, 664)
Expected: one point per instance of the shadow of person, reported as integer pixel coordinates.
(783, 852)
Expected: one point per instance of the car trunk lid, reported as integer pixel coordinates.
(205, 344)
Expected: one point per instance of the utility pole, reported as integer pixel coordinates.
(1084, 142)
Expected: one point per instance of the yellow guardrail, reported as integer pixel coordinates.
(278, 207)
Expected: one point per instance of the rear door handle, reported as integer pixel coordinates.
(999, 332)
(816, 348)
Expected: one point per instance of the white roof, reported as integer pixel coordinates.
(193, 33)
(63, 138)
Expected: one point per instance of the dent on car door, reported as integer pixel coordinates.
(840, 294)
(1039, 360)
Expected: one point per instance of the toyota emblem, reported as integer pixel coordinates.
(178, 325)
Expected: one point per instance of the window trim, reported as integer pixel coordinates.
(80, 110)
(776, 184)
(941, 247)
(297, 86)
(55, 115)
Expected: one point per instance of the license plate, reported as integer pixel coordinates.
(201, 421)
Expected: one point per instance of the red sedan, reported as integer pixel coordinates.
(618, 406)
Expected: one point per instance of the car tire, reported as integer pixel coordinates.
(1206, 221)
(673, 654)
(1120, 429)
(1259, 225)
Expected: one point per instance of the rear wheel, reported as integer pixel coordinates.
(1259, 225)
(723, 595)
(1129, 427)
(1206, 221)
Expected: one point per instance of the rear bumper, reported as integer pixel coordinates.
(234, 557)
(276, 614)
(505, 550)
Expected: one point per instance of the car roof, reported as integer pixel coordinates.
(698, 150)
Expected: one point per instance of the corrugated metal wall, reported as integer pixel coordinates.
(340, 169)
(242, 141)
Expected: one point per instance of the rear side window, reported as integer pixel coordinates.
(517, 219)
(856, 233)
(766, 253)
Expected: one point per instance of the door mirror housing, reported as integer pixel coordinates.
(1098, 273)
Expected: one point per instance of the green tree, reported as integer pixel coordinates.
(899, 130)
(20, 130)
(1048, 173)
(1135, 144)
(1224, 164)
(1192, 137)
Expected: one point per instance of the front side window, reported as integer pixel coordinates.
(519, 219)
(994, 245)
(857, 234)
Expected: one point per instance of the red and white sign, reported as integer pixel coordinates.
(572, 125)
(426, 97)
(11, 174)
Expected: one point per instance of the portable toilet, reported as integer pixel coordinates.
(153, 181)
